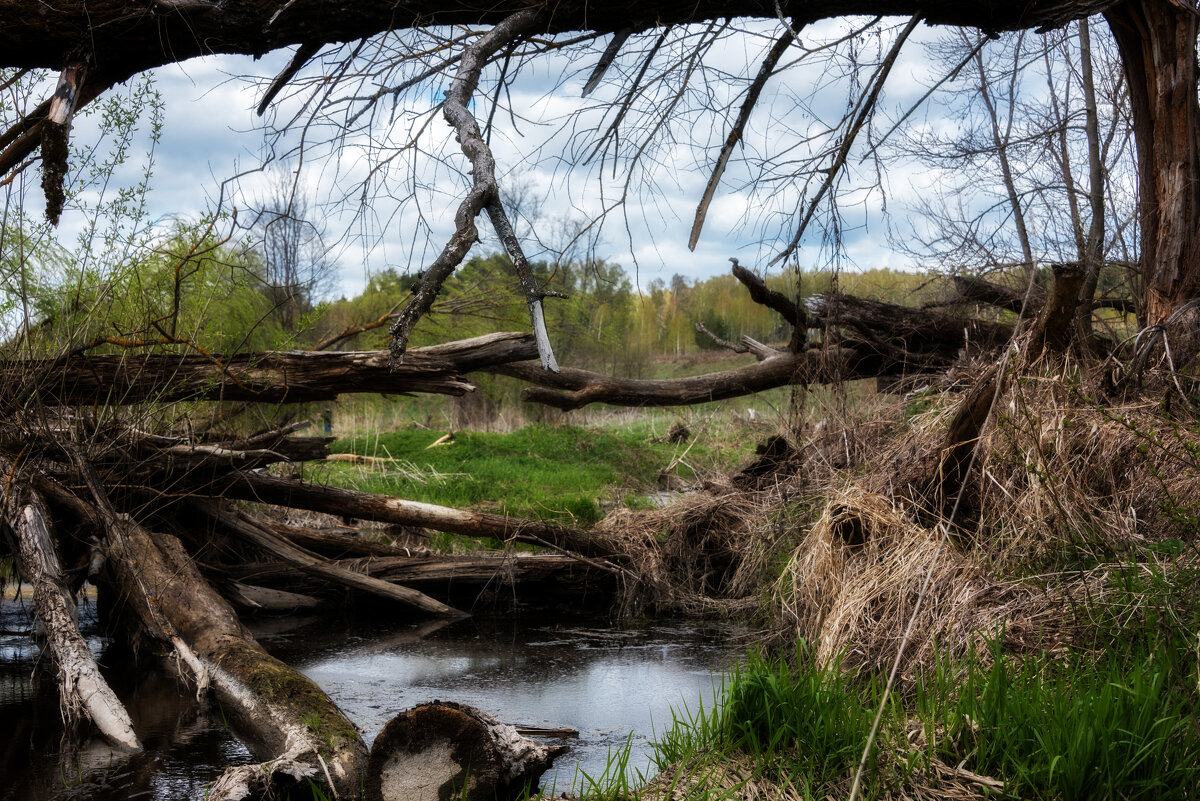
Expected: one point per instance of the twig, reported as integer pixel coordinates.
(866, 106)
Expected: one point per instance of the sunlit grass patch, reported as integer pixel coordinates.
(539, 471)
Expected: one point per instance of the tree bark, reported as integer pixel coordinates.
(443, 750)
(79, 679)
(272, 377)
(288, 719)
(385, 509)
(124, 41)
(1157, 41)
(313, 565)
(1055, 325)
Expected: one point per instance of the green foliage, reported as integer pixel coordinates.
(1076, 728)
(1117, 725)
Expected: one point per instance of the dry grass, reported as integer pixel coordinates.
(853, 584)
(1063, 486)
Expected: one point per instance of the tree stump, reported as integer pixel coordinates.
(445, 751)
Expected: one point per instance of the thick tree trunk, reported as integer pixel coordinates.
(1157, 40)
(287, 718)
(79, 679)
(443, 750)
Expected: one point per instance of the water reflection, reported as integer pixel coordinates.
(605, 682)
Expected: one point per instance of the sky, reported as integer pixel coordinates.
(210, 134)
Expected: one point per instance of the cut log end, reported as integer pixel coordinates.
(442, 751)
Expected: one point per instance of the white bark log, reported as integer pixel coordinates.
(82, 685)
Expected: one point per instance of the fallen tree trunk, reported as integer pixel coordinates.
(312, 564)
(334, 544)
(265, 599)
(904, 330)
(444, 750)
(272, 377)
(570, 388)
(434, 570)
(288, 719)
(79, 679)
(385, 509)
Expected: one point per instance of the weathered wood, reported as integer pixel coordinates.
(978, 290)
(571, 388)
(904, 330)
(312, 564)
(335, 544)
(264, 599)
(272, 377)
(286, 718)
(1157, 42)
(444, 750)
(385, 509)
(79, 678)
(1055, 325)
(556, 577)
(176, 30)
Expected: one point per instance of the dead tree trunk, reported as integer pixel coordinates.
(289, 720)
(82, 685)
(444, 750)
(1157, 41)
(314, 565)
(384, 509)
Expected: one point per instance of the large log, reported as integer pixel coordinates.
(79, 678)
(168, 31)
(271, 377)
(442, 750)
(286, 718)
(384, 509)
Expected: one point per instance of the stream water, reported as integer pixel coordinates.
(616, 685)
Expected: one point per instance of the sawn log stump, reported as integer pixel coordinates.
(443, 751)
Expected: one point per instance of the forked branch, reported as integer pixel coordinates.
(483, 194)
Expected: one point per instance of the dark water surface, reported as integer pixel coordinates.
(605, 681)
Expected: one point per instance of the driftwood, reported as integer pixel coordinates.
(444, 750)
(385, 509)
(251, 598)
(308, 562)
(288, 720)
(83, 687)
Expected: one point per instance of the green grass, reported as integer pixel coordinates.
(540, 471)
(1120, 725)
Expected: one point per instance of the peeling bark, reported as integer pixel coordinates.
(1157, 41)
(288, 720)
(83, 687)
